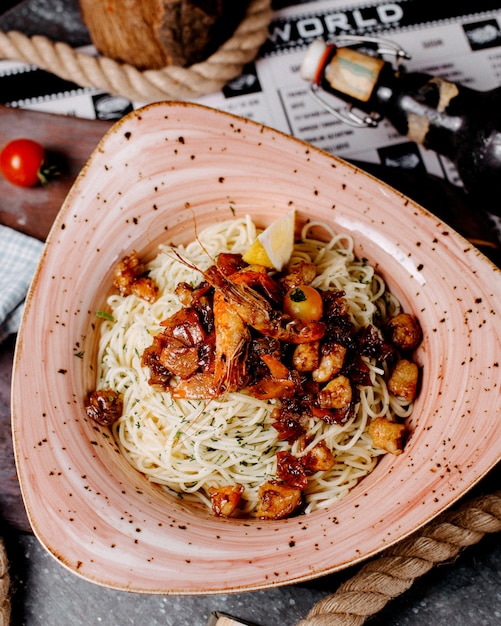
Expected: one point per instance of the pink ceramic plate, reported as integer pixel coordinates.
(155, 174)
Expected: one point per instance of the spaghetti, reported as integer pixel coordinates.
(190, 446)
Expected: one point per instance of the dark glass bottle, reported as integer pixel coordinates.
(455, 121)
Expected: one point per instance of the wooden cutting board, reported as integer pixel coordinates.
(69, 141)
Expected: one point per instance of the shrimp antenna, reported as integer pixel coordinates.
(199, 242)
(197, 238)
(184, 261)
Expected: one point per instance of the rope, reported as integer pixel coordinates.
(389, 575)
(121, 79)
(4, 587)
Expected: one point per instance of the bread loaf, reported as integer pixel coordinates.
(151, 34)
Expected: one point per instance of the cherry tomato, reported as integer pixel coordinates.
(22, 163)
(304, 303)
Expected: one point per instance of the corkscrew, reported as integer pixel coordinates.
(347, 115)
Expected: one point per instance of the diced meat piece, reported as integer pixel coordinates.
(403, 381)
(178, 349)
(104, 406)
(337, 394)
(145, 288)
(318, 459)
(126, 272)
(186, 326)
(405, 331)
(159, 374)
(277, 500)
(331, 362)
(306, 356)
(184, 292)
(129, 278)
(196, 387)
(225, 499)
(387, 435)
(179, 359)
(301, 273)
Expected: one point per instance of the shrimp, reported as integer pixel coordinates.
(257, 312)
(232, 341)
(257, 276)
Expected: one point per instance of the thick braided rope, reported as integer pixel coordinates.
(4, 587)
(121, 79)
(389, 575)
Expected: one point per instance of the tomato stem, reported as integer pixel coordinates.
(47, 172)
(297, 295)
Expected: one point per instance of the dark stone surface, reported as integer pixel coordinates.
(58, 20)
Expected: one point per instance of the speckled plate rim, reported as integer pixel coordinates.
(72, 505)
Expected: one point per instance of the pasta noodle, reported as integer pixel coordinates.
(189, 446)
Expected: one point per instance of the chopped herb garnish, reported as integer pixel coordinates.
(105, 316)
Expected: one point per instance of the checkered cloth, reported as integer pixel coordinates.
(19, 256)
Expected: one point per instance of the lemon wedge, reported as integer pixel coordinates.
(273, 247)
